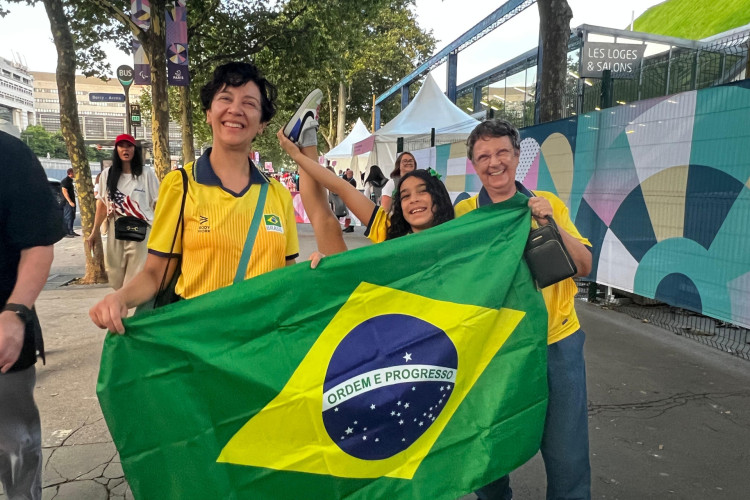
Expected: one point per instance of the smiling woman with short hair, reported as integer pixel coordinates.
(224, 192)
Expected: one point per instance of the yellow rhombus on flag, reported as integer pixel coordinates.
(289, 433)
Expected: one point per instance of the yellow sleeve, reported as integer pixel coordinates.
(292, 240)
(465, 206)
(378, 229)
(562, 216)
(166, 216)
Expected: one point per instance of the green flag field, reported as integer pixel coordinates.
(410, 369)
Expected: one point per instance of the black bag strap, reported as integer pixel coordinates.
(180, 222)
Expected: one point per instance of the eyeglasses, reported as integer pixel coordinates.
(406, 161)
(501, 155)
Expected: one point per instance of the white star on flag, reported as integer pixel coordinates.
(407, 357)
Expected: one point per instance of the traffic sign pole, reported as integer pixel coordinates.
(125, 76)
(127, 111)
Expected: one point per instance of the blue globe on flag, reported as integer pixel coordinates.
(387, 382)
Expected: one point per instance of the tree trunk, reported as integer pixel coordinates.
(554, 29)
(186, 123)
(71, 131)
(341, 114)
(156, 39)
(328, 136)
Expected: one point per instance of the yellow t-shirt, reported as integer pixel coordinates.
(216, 223)
(377, 229)
(560, 297)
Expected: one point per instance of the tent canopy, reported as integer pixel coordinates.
(342, 153)
(429, 109)
(344, 148)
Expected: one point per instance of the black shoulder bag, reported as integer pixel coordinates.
(130, 228)
(166, 294)
(547, 257)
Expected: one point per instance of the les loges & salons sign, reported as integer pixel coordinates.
(622, 59)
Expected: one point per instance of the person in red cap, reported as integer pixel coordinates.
(126, 189)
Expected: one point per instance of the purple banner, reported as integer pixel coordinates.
(140, 12)
(177, 44)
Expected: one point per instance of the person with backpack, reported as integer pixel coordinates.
(374, 184)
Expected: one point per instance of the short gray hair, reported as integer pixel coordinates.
(493, 128)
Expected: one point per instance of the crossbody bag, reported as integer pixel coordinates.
(548, 259)
(167, 294)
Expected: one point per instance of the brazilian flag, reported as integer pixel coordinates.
(410, 369)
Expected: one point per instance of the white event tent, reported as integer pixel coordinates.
(429, 109)
(342, 153)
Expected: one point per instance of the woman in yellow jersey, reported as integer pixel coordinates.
(215, 238)
(421, 200)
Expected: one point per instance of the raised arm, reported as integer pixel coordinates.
(358, 203)
(326, 226)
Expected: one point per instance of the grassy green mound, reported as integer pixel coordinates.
(694, 19)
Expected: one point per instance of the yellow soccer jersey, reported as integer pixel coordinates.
(560, 297)
(216, 223)
(377, 229)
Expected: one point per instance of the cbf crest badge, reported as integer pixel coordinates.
(273, 223)
(376, 389)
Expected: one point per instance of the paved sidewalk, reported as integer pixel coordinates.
(669, 417)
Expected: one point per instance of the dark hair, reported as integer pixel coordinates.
(136, 168)
(237, 74)
(493, 128)
(397, 169)
(442, 208)
(376, 177)
(70, 171)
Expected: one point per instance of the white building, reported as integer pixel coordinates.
(101, 111)
(16, 97)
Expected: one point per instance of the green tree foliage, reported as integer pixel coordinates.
(392, 45)
(366, 46)
(44, 143)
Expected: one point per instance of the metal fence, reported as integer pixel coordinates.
(726, 337)
(674, 65)
(676, 70)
